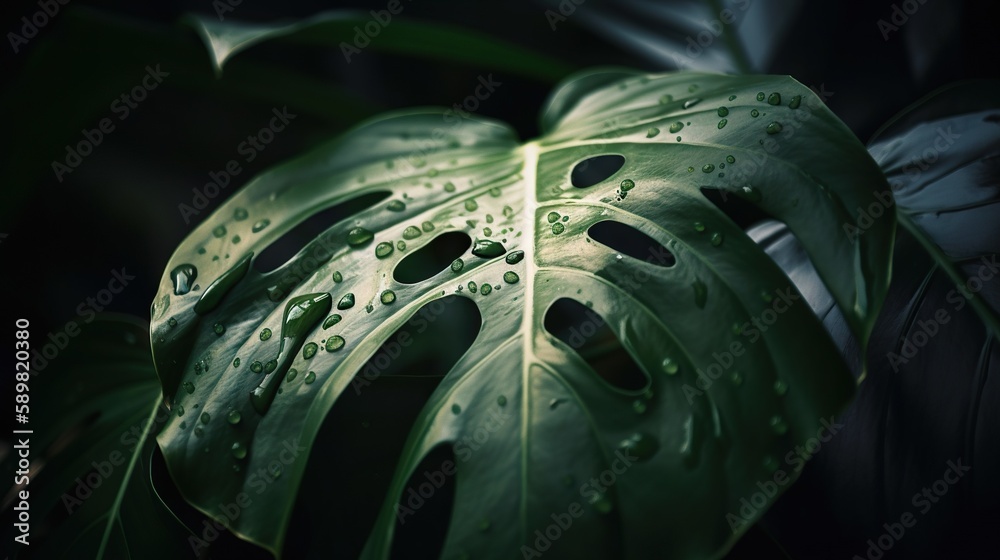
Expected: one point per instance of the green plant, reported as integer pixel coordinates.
(226, 338)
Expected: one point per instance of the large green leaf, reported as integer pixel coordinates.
(93, 414)
(703, 447)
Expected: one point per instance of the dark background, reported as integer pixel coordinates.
(119, 208)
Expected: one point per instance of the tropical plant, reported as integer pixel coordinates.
(598, 343)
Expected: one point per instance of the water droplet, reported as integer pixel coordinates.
(334, 343)
(774, 128)
(233, 417)
(638, 406)
(457, 265)
(239, 451)
(401, 245)
(383, 250)
(487, 249)
(778, 425)
(508, 212)
(670, 366)
(795, 102)
(270, 365)
(265, 334)
(515, 257)
(346, 302)
(183, 277)
(449, 187)
(301, 316)
(707, 168)
(172, 322)
(774, 98)
(754, 113)
(700, 293)
(699, 227)
(219, 231)
(716, 239)
(359, 236)
(309, 378)
(485, 289)
(690, 169)
(240, 214)
(730, 159)
(472, 287)
(188, 387)
(558, 228)
(291, 375)
(691, 103)
(180, 410)
(780, 388)
(639, 445)
(750, 193)
(553, 217)
(510, 277)
(206, 418)
(212, 295)
(676, 127)
(666, 98)
(627, 184)
(565, 218)
(427, 226)
(198, 432)
(411, 232)
(219, 329)
(388, 297)
(722, 123)
(760, 96)
(256, 367)
(502, 400)
(471, 205)
(395, 206)
(331, 321)
(456, 409)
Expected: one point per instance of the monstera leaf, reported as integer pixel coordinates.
(97, 407)
(933, 353)
(731, 371)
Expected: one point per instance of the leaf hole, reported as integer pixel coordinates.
(292, 242)
(632, 242)
(361, 441)
(585, 331)
(426, 502)
(432, 258)
(591, 171)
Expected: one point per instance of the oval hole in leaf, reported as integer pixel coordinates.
(379, 409)
(585, 331)
(286, 246)
(591, 171)
(632, 242)
(432, 258)
(421, 535)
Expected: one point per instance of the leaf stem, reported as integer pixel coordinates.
(985, 312)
